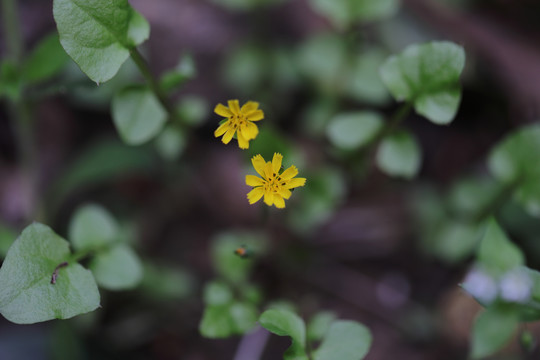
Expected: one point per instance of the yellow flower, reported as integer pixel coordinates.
(274, 186)
(239, 119)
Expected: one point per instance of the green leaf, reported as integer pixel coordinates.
(184, 71)
(323, 58)
(217, 293)
(496, 252)
(427, 76)
(216, 322)
(399, 155)
(320, 197)
(193, 110)
(352, 130)
(28, 296)
(221, 321)
(515, 161)
(251, 294)
(492, 330)
(171, 143)
(99, 35)
(91, 227)
(364, 83)
(535, 277)
(286, 323)
(117, 268)
(45, 61)
(246, 68)
(455, 241)
(470, 196)
(343, 13)
(231, 266)
(319, 325)
(346, 340)
(244, 316)
(137, 115)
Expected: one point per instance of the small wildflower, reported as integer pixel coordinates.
(481, 285)
(239, 121)
(516, 286)
(275, 187)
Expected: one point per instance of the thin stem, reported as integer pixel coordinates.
(400, 114)
(498, 199)
(83, 254)
(367, 153)
(142, 64)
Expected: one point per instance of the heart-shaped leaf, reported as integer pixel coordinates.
(99, 34)
(427, 76)
(399, 155)
(286, 323)
(350, 131)
(117, 268)
(138, 115)
(345, 340)
(515, 161)
(91, 227)
(40, 283)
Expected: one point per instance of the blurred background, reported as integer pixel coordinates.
(353, 241)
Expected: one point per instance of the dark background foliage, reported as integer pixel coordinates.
(360, 256)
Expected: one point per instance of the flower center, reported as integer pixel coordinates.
(238, 120)
(274, 183)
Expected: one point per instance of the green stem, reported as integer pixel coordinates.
(367, 153)
(83, 254)
(500, 197)
(142, 64)
(400, 114)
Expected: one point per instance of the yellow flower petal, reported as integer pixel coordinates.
(222, 129)
(279, 202)
(285, 193)
(291, 172)
(255, 195)
(253, 180)
(255, 116)
(242, 142)
(276, 162)
(268, 170)
(234, 106)
(222, 110)
(296, 182)
(249, 130)
(228, 135)
(268, 198)
(258, 164)
(249, 107)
